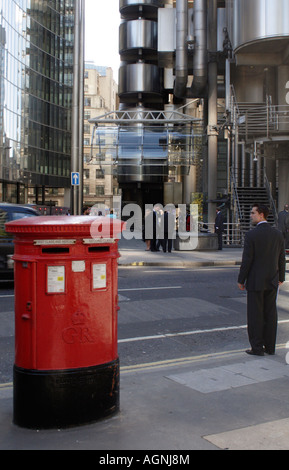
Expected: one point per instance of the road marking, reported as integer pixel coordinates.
(122, 290)
(183, 333)
(187, 333)
(173, 270)
(7, 385)
(167, 363)
(149, 288)
(150, 366)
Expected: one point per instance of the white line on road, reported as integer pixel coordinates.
(166, 270)
(187, 333)
(149, 288)
(122, 290)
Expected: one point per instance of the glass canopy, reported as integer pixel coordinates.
(174, 140)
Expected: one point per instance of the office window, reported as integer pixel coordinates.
(99, 191)
(99, 174)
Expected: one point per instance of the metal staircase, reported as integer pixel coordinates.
(244, 197)
(253, 124)
(247, 197)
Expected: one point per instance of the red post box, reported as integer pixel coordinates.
(66, 369)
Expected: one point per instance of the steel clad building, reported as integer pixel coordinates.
(205, 84)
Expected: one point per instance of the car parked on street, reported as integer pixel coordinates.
(8, 213)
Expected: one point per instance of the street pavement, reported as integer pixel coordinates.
(133, 254)
(227, 400)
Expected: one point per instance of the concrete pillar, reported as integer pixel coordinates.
(212, 112)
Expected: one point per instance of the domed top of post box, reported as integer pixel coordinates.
(66, 226)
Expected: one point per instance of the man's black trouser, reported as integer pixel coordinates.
(262, 319)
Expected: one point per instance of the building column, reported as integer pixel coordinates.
(212, 111)
(77, 106)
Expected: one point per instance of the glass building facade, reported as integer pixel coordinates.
(36, 85)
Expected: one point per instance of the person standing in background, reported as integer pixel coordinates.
(219, 227)
(283, 224)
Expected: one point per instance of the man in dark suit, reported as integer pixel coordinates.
(283, 224)
(168, 231)
(262, 272)
(219, 227)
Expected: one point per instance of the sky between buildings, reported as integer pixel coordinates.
(102, 20)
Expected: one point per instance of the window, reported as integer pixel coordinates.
(99, 174)
(3, 220)
(99, 191)
(86, 129)
(85, 189)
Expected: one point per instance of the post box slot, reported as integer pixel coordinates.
(55, 250)
(98, 249)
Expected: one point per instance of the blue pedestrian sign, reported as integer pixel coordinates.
(75, 179)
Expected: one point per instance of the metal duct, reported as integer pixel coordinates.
(200, 53)
(138, 34)
(130, 9)
(139, 79)
(180, 87)
(250, 23)
(140, 88)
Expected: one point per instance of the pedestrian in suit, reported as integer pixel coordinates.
(219, 228)
(154, 234)
(168, 232)
(262, 271)
(283, 224)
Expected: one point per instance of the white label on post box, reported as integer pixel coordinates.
(54, 242)
(99, 276)
(78, 266)
(55, 279)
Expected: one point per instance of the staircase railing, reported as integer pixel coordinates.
(238, 215)
(272, 202)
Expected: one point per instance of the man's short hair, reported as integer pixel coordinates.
(262, 209)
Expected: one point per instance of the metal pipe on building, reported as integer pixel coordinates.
(81, 104)
(181, 73)
(212, 111)
(200, 49)
(77, 106)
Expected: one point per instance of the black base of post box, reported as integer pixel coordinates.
(59, 399)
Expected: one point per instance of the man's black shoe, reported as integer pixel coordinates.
(255, 353)
(270, 353)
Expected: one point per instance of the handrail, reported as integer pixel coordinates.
(261, 119)
(232, 236)
(235, 194)
(272, 202)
